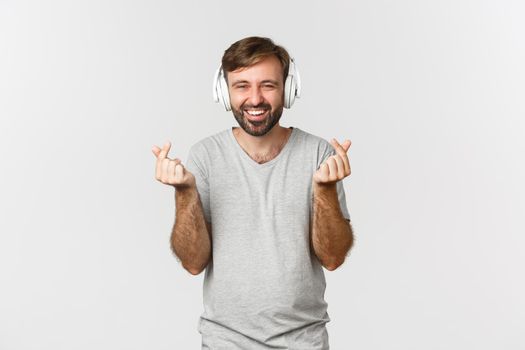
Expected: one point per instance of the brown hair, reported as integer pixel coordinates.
(251, 50)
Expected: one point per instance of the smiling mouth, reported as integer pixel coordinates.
(255, 114)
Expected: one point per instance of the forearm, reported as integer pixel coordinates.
(190, 238)
(332, 235)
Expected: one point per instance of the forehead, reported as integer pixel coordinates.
(268, 68)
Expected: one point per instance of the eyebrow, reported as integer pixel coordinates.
(275, 82)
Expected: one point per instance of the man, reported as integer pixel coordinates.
(262, 208)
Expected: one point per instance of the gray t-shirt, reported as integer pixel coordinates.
(264, 287)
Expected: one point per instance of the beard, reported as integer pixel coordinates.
(258, 128)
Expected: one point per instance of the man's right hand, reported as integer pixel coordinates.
(171, 171)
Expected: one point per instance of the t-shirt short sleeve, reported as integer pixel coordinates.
(196, 164)
(327, 150)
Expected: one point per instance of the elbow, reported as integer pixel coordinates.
(333, 264)
(193, 270)
(196, 269)
(332, 267)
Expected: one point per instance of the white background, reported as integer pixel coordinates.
(431, 93)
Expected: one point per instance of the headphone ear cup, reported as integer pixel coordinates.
(220, 89)
(289, 91)
(216, 88)
(225, 95)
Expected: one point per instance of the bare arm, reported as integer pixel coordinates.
(331, 234)
(191, 235)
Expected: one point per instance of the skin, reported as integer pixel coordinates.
(258, 86)
(190, 239)
(331, 235)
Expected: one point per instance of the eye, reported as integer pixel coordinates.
(269, 86)
(240, 86)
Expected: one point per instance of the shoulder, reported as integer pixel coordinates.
(202, 153)
(319, 148)
(314, 143)
(207, 145)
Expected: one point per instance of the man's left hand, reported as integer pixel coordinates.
(336, 167)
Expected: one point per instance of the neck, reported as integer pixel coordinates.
(268, 145)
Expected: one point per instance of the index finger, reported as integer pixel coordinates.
(161, 156)
(164, 151)
(343, 147)
(342, 152)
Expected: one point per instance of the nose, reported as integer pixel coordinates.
(256, 96)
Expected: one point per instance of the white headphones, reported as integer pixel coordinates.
(292, 87)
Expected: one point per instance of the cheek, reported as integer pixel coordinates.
(235, 99)
(276, 98)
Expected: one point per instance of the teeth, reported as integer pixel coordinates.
(254, 113)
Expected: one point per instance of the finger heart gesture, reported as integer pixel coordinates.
(171, 171)
(336, 167)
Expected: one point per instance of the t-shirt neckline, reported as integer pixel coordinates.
(249, 160)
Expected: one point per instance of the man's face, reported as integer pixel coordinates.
(256, 95)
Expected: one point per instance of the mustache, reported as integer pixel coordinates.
(259, 106)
